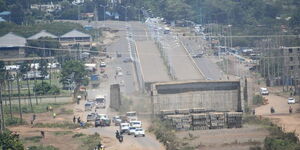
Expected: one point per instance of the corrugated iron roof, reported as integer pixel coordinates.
(75, 33)
(42, 33)
(12, 40)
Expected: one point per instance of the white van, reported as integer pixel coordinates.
(88, 106)
(264, 91)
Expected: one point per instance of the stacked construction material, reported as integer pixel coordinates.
(217, 120)
(234, 119)
(200, 121)
(197, 110)
(182, 111)
(165, 113)
(180, 122)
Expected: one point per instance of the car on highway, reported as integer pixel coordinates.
(88, 106)
(102, 64)
(124, 127)
(139, 132)
(131, 130)
(127, 60)
(136, 124)
(91, 117)
(117, 120)
(197, 55)
(291, 100)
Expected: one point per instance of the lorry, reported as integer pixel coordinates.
(95, 80)
(131, 116)
(100, 101)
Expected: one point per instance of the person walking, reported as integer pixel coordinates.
(54, 115)
(43, 134)
(291, 109)
(78, 120)
(74, 119)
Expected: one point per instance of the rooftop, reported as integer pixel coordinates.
(42, 33)
(12, 40)
(75, 33)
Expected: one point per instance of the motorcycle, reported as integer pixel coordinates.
(121, 138)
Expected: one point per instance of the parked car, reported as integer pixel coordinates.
(197, 55)
(88, 106)
(91, 117)
(131, 130)
(291, 100)
(139, 132)
(117, 120)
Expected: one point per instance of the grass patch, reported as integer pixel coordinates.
(58, 133)
(64, 125)
(90, 141)
(41, 147)
(13, 121)
(40, 108)
(34, 139)
(164, 133)
(77, 135)
(258, 100)
(64, 111)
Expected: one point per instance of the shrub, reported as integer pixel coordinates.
(45, 88)
(10, 141)
(258, 100)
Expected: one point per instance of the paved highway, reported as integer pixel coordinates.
(209, 69)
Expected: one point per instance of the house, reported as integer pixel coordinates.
(42, 34)
(75, 37)
(12, 46)
(49, 8)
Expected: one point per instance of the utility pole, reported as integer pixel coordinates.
(19, 98)
(2, 111)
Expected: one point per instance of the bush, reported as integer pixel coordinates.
(41, 147)
(258, 100)
(45, 88)
(13, 121)
(10, 141)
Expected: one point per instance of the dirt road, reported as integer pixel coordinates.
(289, 122)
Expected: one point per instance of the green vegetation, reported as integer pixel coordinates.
(277, 140)
(41, 108)
(41, 147)
(13, 121)
(164, 133)
(45, 88)
(58, 133)
(89, 141)
(34, 139)
(258, 100)
(64, 125)
(9, 141)
(73, 70)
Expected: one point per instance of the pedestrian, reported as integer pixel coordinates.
(50, 108)
(78, 120)
(253, 111)
(74, 119)
(33, 117)
(47, 108)
(43, 134)
(291, 109)
(99, 146)
(54, 115)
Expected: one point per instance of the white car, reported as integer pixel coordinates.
(124, 127)
(136, 124)
(102, 64)
(291, 100)
(139, 132)
(131, 130)
(264, 91)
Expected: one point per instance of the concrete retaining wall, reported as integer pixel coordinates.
(210, 95)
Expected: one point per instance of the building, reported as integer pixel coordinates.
(12, 46)
(42, 34)
(75, 37)
(291, 64)
(49, 8)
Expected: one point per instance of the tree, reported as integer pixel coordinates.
(10, 141)
(2, 79)
(24, 69)
(43, 68)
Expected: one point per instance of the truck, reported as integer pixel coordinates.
(100, 101)
(95, 80)
(131, 116)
